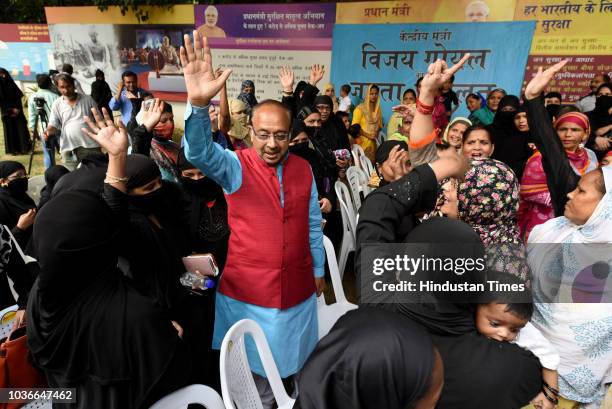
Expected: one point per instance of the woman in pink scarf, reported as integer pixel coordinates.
(536, 205)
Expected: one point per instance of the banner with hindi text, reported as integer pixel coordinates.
(25, 50)
(255, 40)
(393, 56)
(579, 30)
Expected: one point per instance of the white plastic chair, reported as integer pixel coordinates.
(35, 184)
(328, 314)
(358, 181)
(366, 165)
(237, 384)
(349, 225)
(200, 394)
(38, 404)
(361, 160)
(358, 153)
(7, 320)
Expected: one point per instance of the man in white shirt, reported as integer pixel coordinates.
(67, 115)
(345, 99)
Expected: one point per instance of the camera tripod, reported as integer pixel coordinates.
(43, 121)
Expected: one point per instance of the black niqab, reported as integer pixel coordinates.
(443, 238)
(140, 170)
(12, 204)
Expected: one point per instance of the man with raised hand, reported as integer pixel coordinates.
(274, 268)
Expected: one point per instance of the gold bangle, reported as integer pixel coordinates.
(115, 179)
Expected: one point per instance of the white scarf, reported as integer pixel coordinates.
(560, 254)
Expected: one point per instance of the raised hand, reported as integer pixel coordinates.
(119, 89)
(450, 164)
(151, 114)
(398, 163)
(113, 139)
(218, 73)
(438, 73)
(541, 80)
(405, 110)
(286, 77)
(316, 74)
(200, 80)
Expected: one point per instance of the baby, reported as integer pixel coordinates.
(504, 322)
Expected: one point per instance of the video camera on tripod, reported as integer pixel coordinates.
(43, 120)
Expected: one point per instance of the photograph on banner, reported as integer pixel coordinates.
(151, 51)
(255, 40)
(424, 11)
(394, 56)
(25, 50)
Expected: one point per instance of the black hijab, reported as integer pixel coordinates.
(600, 117)
(443, 313)
(371, 359)
(140, 170)
(52, 175)
(324, 100)
(333, 129)
(383, 151)
(89, 176)
(12, 204)
(505, 119)
(205, 188)
(511, 145)
(301, 86)
(10, 94)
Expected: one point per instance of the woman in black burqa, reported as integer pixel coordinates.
(16, 134)
(17, 212)
(87, 327)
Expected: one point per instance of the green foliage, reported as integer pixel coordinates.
(134, 6)
(33, 11)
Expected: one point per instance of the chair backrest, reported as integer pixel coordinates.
(354, 180)
(200, 394)
(39, 404)
(358, 181)
(7, 320)
(358, 153)
(35, 184)
(347, 209)
(366, 165)
(328, 314)
(334, 272)
(237, 384)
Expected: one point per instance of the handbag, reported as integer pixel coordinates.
(16, 367)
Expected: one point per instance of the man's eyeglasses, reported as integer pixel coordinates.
(264, 136)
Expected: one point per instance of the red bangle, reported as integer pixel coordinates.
(419, 103)
(424, 109)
